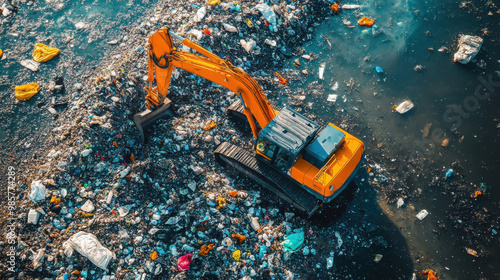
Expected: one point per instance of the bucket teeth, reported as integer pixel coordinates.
(146, 118)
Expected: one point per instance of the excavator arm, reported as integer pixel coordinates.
(164, 56)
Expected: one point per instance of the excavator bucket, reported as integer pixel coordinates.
(146, 118)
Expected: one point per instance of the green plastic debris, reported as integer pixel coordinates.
(294, 241)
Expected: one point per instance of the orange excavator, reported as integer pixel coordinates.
(304, 163)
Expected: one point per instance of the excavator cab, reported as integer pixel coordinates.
(282, 140)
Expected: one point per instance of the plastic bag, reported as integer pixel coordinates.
(268, 14)
(184, 261)
(25, 92)
(468, 47)
(44, 53)
(293, 242)
(38, 191)
(364, 21)
(88, 246)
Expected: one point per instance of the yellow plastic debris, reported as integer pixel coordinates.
(237, 255)
(222, 202)
(25, 92)
(44, 53)
(214, 2)
(1, 53)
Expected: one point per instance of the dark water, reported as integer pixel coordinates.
(409, 29)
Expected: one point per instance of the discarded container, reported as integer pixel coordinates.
(422, 214)
(31, 64)
(254, 222)
(379, 69)
(200, 14)
(332, 98)
(468, 47)
(321, 71)
(229, 27)
(88, 206)
(293, 242)
(44, 53)
(351, 6)
(88, 246)
(184, 261)
(38, 191)
(271, 43)
(403, 107)
(329, 262)
(400, 202)
(448, 173)
(364, 21)
(25, 92)
(33, 216)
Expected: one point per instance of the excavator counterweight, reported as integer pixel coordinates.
(304, 163)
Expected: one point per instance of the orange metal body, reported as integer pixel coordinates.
(163, 56)
(336, 172)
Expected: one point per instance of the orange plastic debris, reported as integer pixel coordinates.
(335, 7)
(477, 193)
(364, 21)
(206, 31)
(25, 92)
(281, 79)
(233, 193)
(114, 144)
(154, 255)
(1, 53)
(55, 200)
(211, 125)
(132, 158)
(241, 238)
(76, 272)
(430, 274)
(98, 79)
(206, 249)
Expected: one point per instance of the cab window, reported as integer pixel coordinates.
(265, 147)
(282, 159)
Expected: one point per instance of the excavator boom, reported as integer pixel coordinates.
(164, 56)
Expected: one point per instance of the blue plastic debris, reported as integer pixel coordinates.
(449, 172)
(379, 69)
(186, 147)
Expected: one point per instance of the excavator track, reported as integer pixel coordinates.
(286, 187)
